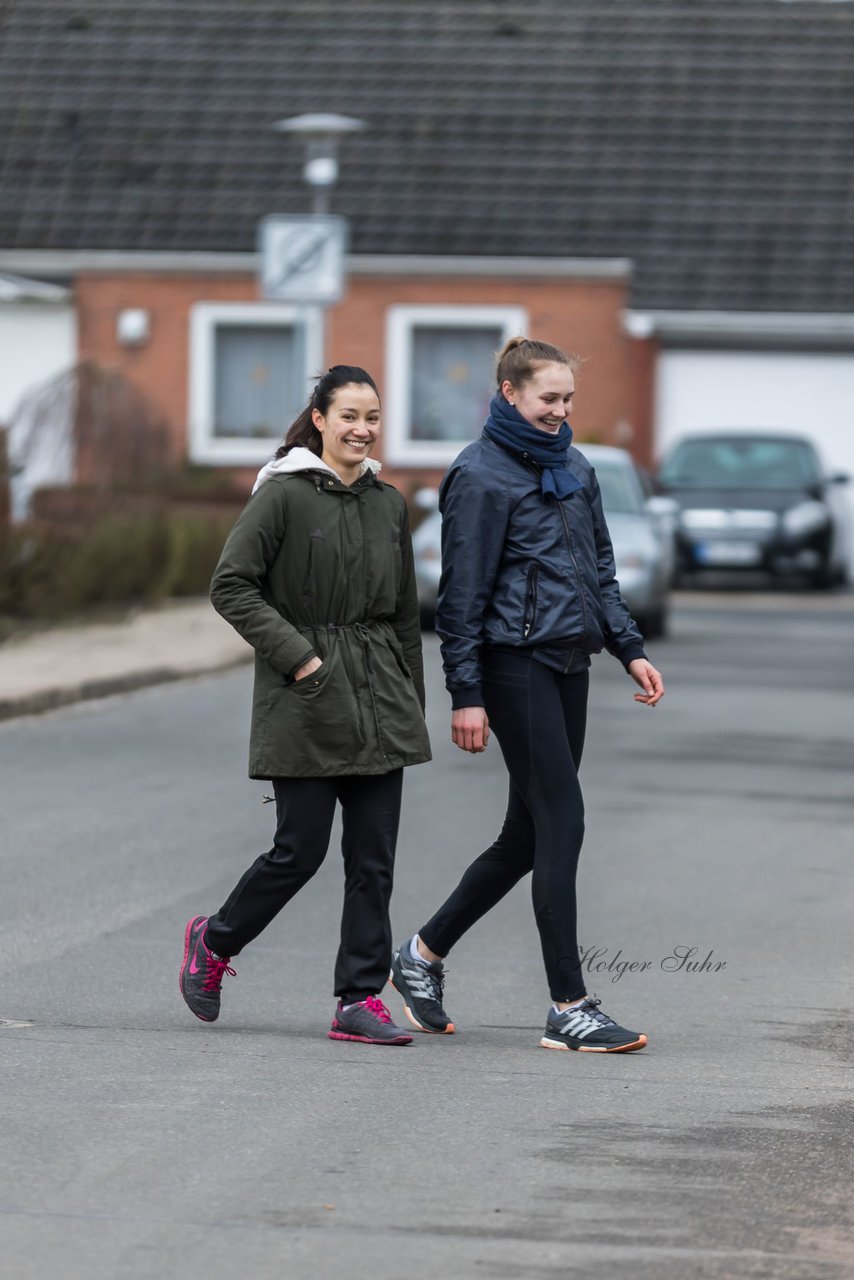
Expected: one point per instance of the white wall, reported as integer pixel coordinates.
(36, 342)
(812, 395)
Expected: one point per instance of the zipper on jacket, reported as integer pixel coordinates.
(308, 586)
(362, 632)
(531, 599)
(571, 551)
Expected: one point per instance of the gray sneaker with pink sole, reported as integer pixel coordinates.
(202, 972)
(369, 1022)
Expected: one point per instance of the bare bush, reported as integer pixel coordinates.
(93, 427)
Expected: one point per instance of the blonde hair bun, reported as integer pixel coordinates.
(520, 357)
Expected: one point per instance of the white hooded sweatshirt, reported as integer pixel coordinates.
(302, 459)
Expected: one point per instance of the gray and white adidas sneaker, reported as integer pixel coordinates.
(421, 987)
(586, 1028)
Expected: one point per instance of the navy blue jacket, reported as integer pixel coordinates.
(523, 571)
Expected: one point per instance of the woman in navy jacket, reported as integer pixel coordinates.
(528, 593)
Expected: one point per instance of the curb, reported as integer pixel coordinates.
(33, 704)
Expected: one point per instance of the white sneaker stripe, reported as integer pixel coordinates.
(580, 1024)
(585, 1031)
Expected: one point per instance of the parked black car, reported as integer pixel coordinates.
(760, 501)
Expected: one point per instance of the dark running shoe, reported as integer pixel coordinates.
(369, 1022)
(421, 987)
(202, 972)
(584, 1027)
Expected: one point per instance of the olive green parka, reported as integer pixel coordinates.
(316, 567)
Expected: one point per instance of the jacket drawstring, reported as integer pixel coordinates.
(363, 634)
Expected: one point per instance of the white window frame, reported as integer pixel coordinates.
(205, 317)
(400, 448)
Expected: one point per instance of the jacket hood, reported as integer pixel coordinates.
(302, 459)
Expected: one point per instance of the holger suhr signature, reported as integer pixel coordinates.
(681, 959)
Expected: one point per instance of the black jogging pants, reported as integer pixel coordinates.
(539, 717)
(305, 807)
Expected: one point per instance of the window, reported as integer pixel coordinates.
(441, 378)
(251, 369)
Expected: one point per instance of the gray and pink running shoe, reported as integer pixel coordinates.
(369, 1022)
(202, 972)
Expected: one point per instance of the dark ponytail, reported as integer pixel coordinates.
(302, 432)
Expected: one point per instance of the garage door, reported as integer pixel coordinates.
(812, 395)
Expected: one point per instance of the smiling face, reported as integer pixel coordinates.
(546, 398)
(349, 428)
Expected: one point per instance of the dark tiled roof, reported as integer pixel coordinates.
(711, 142)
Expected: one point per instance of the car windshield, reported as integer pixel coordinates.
(621, 489)
(741, 463)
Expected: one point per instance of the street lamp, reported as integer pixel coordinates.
(321, 132)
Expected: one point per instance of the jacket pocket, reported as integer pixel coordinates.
(397, 650)
(397, 559)
(309, 585)
(312, 683)
(530, 614)
(313, 726)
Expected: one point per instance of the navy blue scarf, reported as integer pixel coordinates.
(506, 426)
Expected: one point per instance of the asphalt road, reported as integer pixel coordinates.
(137, 1142)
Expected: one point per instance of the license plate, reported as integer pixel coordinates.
(726, 554)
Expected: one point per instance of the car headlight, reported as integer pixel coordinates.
(806, 517)
(703, 518)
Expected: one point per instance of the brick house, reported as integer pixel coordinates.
(663, 187)
(206, 328)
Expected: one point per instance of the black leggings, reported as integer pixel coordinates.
(305, 807)
(539, 718)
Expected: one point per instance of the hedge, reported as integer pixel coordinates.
(119, 558)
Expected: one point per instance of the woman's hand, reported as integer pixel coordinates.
(470, 729)
(645, 674)
(307, 668)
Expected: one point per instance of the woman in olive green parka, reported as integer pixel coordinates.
(316, 566)
(317, 575)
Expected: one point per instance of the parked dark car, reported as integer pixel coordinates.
(757, 501)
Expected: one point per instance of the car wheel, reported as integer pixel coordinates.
(827, 576)
(653, 625)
